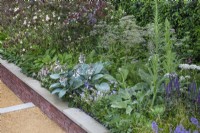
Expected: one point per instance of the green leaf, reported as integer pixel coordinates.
(120, 104)
(46, 59)
(124, 73)
(125, 94)
(77, 83)
(109, 77)
(158, 110)
(56, 91)
(98, 68)
(55, 85)
(145, 76)
(62, 93)
(97, 77)
(128, 110)
(103, 87)
(55, 76)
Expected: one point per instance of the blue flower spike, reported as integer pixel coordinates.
(154, 127)
(194, 121)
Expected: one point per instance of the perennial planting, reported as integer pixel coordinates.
(130, 74)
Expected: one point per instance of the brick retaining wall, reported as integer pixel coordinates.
(26, 94)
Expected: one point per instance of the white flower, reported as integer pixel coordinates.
(187, 66)
(35, 17)
(198, 68)
(54, 15)
(23, 49)
(24, 22)
(182, 78)
(81, 58)
(58, 18)
(184, 66)
(167, 75)
(16, 9)
(82, 95)
(47, 18)
(187, 77)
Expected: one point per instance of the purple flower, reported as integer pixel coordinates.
(180, 129)
(168, 88)
(194, 86)
(198, 98)
(194, 121)
(154, 127)
(189, 88)
(176, 84)
(87, 85)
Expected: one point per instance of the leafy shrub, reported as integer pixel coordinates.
(92, 77)
(183, 16)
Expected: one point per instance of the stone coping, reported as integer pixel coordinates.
(16, 107)
(10, 74)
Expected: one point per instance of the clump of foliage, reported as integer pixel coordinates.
(183, 15)
(139, 81)
(90, 78)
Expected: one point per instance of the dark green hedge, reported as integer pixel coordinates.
(183, 15)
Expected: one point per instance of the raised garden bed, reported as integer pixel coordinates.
(72, 120)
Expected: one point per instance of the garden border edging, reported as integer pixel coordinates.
(72, 120)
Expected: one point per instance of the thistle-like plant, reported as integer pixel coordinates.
(170, 61)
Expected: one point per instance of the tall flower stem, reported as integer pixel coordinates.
(155, 60)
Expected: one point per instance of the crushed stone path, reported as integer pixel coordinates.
(19, 117)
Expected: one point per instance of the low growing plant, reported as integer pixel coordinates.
(92, 77)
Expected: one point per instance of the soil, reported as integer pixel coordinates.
(7, 97)
(30, 120)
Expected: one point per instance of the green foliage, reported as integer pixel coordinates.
(124, 36)
(182, 15)
(170, 59)
(45, 39)
(81, 77)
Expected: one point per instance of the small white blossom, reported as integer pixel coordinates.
(16, 9)
(187, 77)
(182, 78)
(54, 15)
(184, 66)
(81, 58)
(47, 18)
(187, 66)
(35, 17)
(82, 95)
(167, 75)
(24, 22)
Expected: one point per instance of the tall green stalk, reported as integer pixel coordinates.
(155, 60)
(169, 56)
(156, 28)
